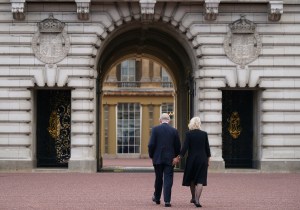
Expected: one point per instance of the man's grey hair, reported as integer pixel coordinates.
(164, 118)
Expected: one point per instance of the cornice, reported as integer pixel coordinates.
(187, 1)
(147, 7)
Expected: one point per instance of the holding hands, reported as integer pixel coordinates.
(176, 160)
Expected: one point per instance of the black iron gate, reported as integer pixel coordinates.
(237, 128)
(53, 128)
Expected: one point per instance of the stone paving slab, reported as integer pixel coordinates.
(92, 191)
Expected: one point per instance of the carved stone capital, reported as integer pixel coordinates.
(17, 9)
(83, 9)
(275, 10)
(211, 9)
(147, 9)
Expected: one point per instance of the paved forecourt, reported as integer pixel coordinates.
(107, 190)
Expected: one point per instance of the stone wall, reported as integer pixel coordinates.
(274, 74)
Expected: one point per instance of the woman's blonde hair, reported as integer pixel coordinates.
(195, 123)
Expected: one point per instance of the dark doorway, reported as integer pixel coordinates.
(237, 128)
(53, 128)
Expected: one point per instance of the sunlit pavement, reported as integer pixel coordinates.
(106, 190)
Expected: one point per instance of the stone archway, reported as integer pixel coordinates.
(161, 42)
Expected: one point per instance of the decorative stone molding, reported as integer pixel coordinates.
(50, 74)
(17, 9)
(83, 9)
(147, 9)
(211, 9)
(242, 44)
(51, 43)
(275, 10)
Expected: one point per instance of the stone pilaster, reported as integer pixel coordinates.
(156, 73)
(145, 128)
(145, 79)
(112, 78)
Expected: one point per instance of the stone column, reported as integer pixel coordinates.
(156, 75)
(156, 114)
(145, 79)
(112, 130)
(145, 130)
(112, 78)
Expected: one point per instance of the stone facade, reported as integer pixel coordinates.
(199, 37)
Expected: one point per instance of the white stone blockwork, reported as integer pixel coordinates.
(15, 140)
(209, 94)
(83, 94)
(82, 153)
(279, 117)
(15, 153)
(210, 105)
(82, 140)
(15, 116)
(281, 140)
(15, 105)
(82, 105)
(280, 105)
(82, 128)
(16, 128)
(212, 128)
(211, 117)
(215, 140)
(80, 116)
(275, 73)
(277, 128)
(279, 94)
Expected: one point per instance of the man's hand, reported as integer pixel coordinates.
(175, 161)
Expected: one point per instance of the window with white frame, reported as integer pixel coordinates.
(128, 128)
(128, 73)
(165, 79)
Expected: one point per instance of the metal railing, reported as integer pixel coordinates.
(138, 84)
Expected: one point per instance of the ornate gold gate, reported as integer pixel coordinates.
(237, 128)
(53, 128)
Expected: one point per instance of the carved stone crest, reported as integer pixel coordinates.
(51, 43)
(242, 44)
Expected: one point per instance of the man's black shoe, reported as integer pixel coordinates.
(156, 201)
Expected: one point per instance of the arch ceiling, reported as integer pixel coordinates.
(150, 40)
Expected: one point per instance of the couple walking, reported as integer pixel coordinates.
(165, 151)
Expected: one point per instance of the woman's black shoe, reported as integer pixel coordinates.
(167, 205)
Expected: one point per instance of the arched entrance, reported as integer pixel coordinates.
(159, 42)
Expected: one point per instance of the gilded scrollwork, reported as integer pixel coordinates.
(234, 125)
(54, 125)
(60, 126)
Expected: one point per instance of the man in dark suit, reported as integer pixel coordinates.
(163, 147)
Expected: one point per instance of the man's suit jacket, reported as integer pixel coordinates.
(164, 144)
